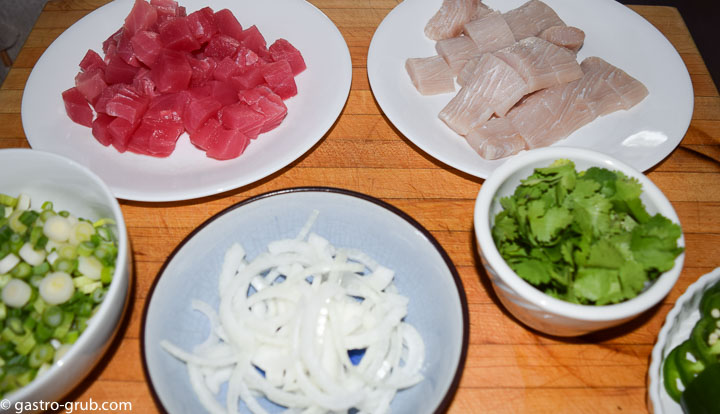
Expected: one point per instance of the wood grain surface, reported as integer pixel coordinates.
(509, 369)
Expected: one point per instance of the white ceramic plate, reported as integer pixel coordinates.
(423, 272)
(322, 91)
(613, 32)
(678, 324)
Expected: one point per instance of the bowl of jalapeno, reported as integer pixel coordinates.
(684, 374)
(64, 275)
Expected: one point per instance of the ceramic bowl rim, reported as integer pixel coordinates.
(454, 384)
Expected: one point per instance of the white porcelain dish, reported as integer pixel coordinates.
(322, 91)
(676, 329)
(423, 272)
(641, 137)
(72, 187)
(527, 303)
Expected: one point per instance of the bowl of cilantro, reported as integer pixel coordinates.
(575, 241)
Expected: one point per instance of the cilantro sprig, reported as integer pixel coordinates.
(584, 237)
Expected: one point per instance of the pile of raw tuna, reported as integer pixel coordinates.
(166, 72)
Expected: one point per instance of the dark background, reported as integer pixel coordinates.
(702, 18)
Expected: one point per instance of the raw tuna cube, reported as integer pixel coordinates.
(143, 84)
(228, 144)
(205, 134)
(141, 17)
(199, 110)
(181, 11)
(111, 42)
(227, 24)
(118, 71)
(155, 137)
(125, 50)
(100, 129)
(91, 61)
(202, 70)
(91, 84)
(283, 50)
(279, 77)
(175, 34)
(168, 107)
(202, 24)
(166, 9)
(77, 107)
(105, 96)
(247, 58)
(171, 72)
(254, 40)
(221, 46)
(120, 130)
(264, 101)
(224, 92)
(226, 69)
(250, 79)
(128, 105)
(242, 117)
(147, 46)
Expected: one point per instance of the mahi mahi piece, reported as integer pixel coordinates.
(568, 37)
(552, 114)
(541, 63)
(497, 138)
(494, 88)
(481, 11)
(531, 19)
(468, 71)
(490, 32)
(430, 75)
(457, 51)
(449, 20)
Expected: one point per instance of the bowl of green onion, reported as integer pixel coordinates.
(64, 274)
(575, 241)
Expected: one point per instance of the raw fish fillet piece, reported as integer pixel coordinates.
(531, 19)
(497, 138)
(568, 37)
(494, 88)
(481, 11)
(552, 114)
(541, 63)
(449, 20)
(467, 71)
(430, 75)
(490, 32)
(457, 51)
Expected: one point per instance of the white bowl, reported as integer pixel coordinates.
(528, 304)
(678, 324)
(72, 187)
(423, 272)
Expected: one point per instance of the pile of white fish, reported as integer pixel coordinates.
(521, 86)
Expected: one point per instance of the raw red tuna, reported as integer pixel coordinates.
(254, 40)
(224, 92)
(250, 79)
(202, 70)
(283, 50)
(279, 77)
(168, 107)
(141, 17)
(242, 117)
(124, 49)
(205, 134)
(199, 110)
(175, 34)
(227, 24)
(155, 137)
(147, 46)
(111, 43)
(91, 61)
(77, 107)
(221, 46)
(263, 100)
(143, 83)
(226, 69)
(128, 105)
(91, 84)
(202, 24)
(118, 71)
(120, 130)
(228, 144)
(246, 58)
(100, 129)
(171, 72)
(166, 9)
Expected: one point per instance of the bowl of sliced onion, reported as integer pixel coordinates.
(315, 299)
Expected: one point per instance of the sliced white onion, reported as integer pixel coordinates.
(295, 311)
(90, 267)
(57, 228)
(16, 293)
(80, 232)
(31, 256)
(56, 288)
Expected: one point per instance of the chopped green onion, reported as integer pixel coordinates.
(41, 269)
(46, 214)
(65, 265)
(85, 248)
(106, 274)
(85, 309)
(64, 213)
(52, 316)
(99, 294)
(15, 325)
(103, 222)
(28, 217)
(67, 251)
(8, 200)
(40, 354)
(48, 205)
(71, 337)
(21, 271)
(15, 224)
(41, 242)
(43, 332)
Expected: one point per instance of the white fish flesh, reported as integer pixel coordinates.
(490, 32)
(449, 20)
(430, 75)
(457, 51)
(497, 138)
(531, 19)
(568, 37)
